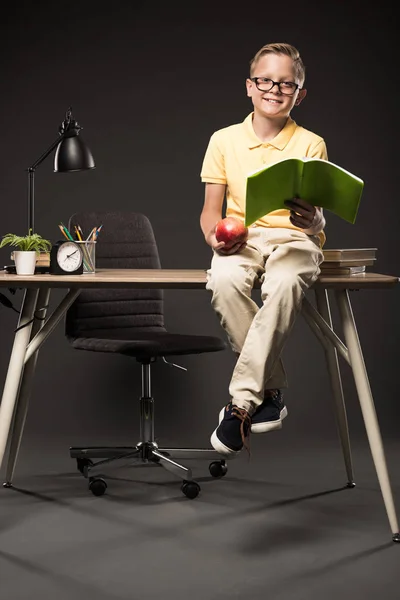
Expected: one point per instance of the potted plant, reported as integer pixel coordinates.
(28, 248)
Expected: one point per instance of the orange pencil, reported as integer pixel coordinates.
(63, 232)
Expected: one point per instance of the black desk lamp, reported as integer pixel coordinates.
(71, 155)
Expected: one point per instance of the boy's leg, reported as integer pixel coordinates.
(271, 413)
(292, 266)
(278, 379)
(231, 280)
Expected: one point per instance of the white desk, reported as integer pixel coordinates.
(30, 336)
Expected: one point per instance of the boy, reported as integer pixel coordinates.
(283, 248)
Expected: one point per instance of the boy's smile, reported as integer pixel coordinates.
(274, 103)
(272, 100)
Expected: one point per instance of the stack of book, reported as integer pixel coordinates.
(347, 261)
(43, 259)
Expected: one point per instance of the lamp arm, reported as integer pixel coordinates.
(31, 182)
(48, 151)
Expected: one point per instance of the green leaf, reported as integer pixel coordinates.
(30, 242)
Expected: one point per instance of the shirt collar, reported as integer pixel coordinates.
(279, 142)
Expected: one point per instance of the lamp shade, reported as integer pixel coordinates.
(72, 154)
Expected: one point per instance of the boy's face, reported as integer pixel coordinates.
(274, 103)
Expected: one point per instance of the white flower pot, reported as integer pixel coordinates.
(25, 261)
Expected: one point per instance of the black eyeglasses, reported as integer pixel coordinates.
(288, 88)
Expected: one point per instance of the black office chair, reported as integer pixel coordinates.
(131, 322)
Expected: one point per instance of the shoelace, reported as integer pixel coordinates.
(244, 417)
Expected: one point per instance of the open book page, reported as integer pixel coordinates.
(267, 190)
(332, 187)
(319, 182)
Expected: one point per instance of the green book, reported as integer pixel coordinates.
(317, 181)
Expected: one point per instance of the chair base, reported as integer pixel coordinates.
(146, 451)
(143, 453)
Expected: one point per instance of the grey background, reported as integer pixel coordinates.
(149, 83)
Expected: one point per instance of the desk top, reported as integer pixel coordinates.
(171, 278)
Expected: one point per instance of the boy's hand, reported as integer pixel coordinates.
(221, 247)
(301, 213)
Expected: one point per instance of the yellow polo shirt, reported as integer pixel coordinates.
(235, 151)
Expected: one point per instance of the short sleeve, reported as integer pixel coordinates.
(319, 151)
(213, 168)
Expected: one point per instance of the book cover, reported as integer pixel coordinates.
(342, 270)
(351, 262)
(349, 253)
(319, 182)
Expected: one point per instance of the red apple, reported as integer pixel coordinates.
(231, 231)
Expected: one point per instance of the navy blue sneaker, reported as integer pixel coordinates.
(233, 431)
(270, 414)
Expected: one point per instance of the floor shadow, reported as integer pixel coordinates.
(344, 561)
(67, 583)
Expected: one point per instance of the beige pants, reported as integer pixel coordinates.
(287, 263)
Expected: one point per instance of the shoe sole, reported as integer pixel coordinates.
(270, 425)
(220, 447)
(256, 428)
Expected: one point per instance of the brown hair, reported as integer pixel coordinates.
(286, 49)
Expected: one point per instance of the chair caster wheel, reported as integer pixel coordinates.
(191, 489)
(97, 486)
(82, 463)
(218, 468)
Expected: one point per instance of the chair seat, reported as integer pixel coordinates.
(151, 344)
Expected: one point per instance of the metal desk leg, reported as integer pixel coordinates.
(322, 300)
(16, 367)
(367, 406)
(21, 408)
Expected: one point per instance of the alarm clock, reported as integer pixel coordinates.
(66, 258)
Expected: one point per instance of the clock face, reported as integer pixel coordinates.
(69, 257)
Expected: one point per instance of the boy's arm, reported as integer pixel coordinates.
(318, 222)
(212, 213)
(307, 217)
(214, 176)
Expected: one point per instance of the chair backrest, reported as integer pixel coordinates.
(126, 241)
